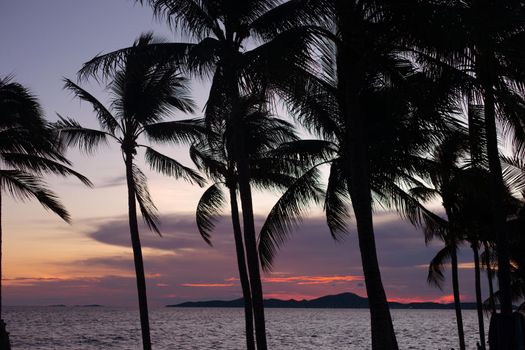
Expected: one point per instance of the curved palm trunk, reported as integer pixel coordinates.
(358, 181)
(383, 335)
(251, 253)
(243, 273)
(488, 266)
(351, 74)
(457, 300)
(479, 302)
(137, 254)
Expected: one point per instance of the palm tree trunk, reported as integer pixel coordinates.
(498, 215)
(351, 75)
(457, 300)
(383, 335)
(251, 252)
(243, 273)
(358, 181)
(505, 331)
(488, 266)
(236, 149)
(137, 253)
(479, 303)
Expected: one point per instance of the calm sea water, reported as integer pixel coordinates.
(84, 328)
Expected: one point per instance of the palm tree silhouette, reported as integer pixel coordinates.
(479, 43)
(466, 207)
(447, 157)
(225, 51)
(214, 156)
(28, 150)
(144, 94)
(400, 123)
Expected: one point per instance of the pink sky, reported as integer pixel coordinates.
(49, 262)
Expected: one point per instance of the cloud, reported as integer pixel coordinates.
(113, 181)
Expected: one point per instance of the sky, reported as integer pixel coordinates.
(48, 262)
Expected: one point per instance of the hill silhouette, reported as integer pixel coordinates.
(338, 301)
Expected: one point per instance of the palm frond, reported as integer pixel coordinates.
(410, 208)
(190, 16)
(106, 64)
(514, 174)
(104, 117)
(437, 265)
(23, 186)
(39, 165)
(207, 161)
(293, 14)
(307, 151)
(170, 167)
(336, 202)
(149, 91)
(177, 132)
(208, 209)
(286, 214)
(74, 134)
(147, 207)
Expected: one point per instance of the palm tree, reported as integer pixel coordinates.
(481, 46)
(400, 122)
(214, 156)
(144, 94)
(447, 157)
(28, 150)
(224, 50)
(466, 207)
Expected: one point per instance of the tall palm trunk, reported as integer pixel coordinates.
(498, 215)
(251, 252)
(236, 148)
(137, 253)
(488, 266)
(383, 336)
(457, 299)
(243, 273)
(358, 181)
(479, 303)
(505, 331)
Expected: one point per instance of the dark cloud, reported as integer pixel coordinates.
(111, 182)
(178, 232)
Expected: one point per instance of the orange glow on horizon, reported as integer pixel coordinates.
(207, 285)
(446, 299)
(306, 280)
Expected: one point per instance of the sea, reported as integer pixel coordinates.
(95, 328)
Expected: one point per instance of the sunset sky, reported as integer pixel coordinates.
(49, 262)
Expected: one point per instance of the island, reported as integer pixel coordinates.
(339, 301)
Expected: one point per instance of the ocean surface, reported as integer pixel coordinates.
(90, 328)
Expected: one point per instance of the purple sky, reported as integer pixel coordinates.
(48, 262)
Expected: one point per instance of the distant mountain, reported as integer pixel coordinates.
(339, 301)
